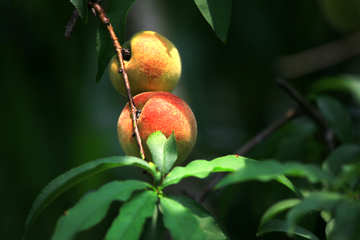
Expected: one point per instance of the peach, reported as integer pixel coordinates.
(154, 64)
(159, 111)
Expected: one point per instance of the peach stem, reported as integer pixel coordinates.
(133, 109)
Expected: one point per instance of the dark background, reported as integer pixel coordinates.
(54, 116)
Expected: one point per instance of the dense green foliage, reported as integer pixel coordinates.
(55, 118)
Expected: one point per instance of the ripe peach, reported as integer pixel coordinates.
(154, 64)
(159, 111)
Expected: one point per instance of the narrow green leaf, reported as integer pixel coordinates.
(315, 201)
(278, 208)
(345, 83)
(154, 226)
(346, 221)
(180, 221)
(129, 223)
(276, 225)
(92, 207)
(117, 13)
(213, 229)
(337, 117)
(75, 175)
(217, 13)
(345, 154)
(82, 7)
(170, 152)
(155, 143)
(270, 169)
(202, 168)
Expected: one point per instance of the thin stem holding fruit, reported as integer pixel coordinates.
(133, 109)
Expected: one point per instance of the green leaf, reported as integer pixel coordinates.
(347, 83)
(129, 223)
(92, 207)
(346, 221)
(278, 208)
(170, 152)
(202, 168)
(180, 221)
(76, 175)
(154, 226)
(337, 117)
(163, 151)
(351, 175)
(117, 13)
(213, 229)
(270, 169)
(82, 7)
(276, 225)
(217, 13)
(345, 154)
(315, 201)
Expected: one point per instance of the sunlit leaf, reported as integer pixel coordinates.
(163, 150)
(170, 152)
(210, 225)
(202, 168)
(276, 225)
(92, 207)
(278, 208)
(82, 7)
(75, 175)
(270, 169)
(217, 13)
(180, 221)
(128, 225)
(337, 117)
(117, 13)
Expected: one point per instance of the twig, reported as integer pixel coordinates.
(133, 109)
(318, 58)
(310, 111)
(71, 23)
(290, 114)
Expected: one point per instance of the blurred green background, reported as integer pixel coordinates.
(54, 116)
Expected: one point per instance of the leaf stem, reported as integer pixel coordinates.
(133, 109)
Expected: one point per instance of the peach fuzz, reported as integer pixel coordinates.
(160, 111)
(154, 64)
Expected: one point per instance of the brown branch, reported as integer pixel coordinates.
(310, 111)
(133, 109)
(71, 23)
(290, 114)
(318, 58)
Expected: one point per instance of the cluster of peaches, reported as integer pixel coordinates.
(153, 70)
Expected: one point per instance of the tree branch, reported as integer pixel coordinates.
(318, 58)
(95, 7)
(310, 111)
(71, 23)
